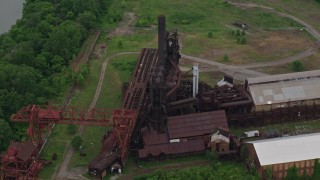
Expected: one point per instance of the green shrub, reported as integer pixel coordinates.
(243, 40)
(292, 173)
(238, 34)
(296, 66)
(210, 34)
(120, 44)
(76, 142)
(225, 57)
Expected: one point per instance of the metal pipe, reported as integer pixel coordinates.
(184, 101)
(178, 80)
(246, 102)
(195, 80)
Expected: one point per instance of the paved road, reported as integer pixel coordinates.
(235, 71)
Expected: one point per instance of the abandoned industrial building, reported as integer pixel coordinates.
(283, 90)
(167, 113)
(279, 154)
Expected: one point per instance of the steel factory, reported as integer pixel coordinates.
(168, 113)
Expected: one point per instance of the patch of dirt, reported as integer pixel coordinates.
(126, 26)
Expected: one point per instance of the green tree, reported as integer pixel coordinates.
(87, 19)
(5, 134)
(80, 79)
(292, 173)
(269, 173)
(296, 66)
(316, 174)
(65, 40)
(76, 142)
(210, 34)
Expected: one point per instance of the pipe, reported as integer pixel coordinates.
(246, 102)
(184, 101)
(178, 80)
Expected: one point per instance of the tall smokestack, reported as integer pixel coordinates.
(161, 39)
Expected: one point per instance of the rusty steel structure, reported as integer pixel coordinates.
(21, 160)
(160, 115)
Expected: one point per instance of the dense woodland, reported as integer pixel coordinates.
(35, 55)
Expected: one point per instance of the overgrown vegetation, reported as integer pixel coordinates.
(296, 66)
(76, 142)
(35, 54)
(220, 170)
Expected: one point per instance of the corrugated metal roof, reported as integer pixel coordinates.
(287, 149)
(196, 124)
(285, 91)
(284, 77)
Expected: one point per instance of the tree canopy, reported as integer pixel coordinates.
(35, 54)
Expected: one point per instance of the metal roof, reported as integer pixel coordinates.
(151, 137)
(26, 152)
(196, 124)
(287, 149)
(284, 77)
(285, 91)
(190, 146)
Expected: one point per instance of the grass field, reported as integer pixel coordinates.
(307, 10)
(268, 37)
(110, 97)
(221, 170)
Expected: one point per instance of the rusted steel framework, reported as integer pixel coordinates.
(42, 117)
(125, 122)
(17, 162)
(231, 99)
(21, 159)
